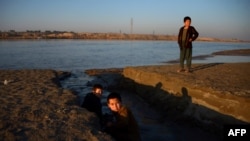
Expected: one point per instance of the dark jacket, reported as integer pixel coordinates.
(191, 33)
(125, 127)
(93, 104)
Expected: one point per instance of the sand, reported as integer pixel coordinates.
(33, 106)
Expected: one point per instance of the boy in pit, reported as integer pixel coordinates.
(124, 127)
(92, 101)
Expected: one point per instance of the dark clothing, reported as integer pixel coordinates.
(186, 45)
(125, 127)
(93, 104)
(186, 54)
(191, 34)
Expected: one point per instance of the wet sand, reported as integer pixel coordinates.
(238, 52)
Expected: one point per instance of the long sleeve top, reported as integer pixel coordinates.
(190, 34)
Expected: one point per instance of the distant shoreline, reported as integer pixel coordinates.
(13, 35)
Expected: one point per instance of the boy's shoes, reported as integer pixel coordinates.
(183, 70)
(188, 71)
(180, 70)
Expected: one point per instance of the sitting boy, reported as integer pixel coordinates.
(124, 127)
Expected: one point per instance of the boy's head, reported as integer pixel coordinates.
(97, 90)
(187, 21)
(114, 101)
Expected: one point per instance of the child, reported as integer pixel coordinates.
(125, 127)
(92, 101)
(187, 35)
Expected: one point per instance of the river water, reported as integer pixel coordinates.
(74, 55)
(78, 55)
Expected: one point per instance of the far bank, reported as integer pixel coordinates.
(37, 34)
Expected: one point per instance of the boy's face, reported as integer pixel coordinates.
(187, 23)
(114, 104)
(98, 92)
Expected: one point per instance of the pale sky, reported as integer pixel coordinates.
(211, 18)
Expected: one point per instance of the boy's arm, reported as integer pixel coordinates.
(87, 101)
(179, 38)
(195, 34)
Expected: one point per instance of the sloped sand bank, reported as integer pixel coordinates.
(34, 107)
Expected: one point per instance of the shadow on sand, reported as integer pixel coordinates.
(180, 109)
(204, 66)
(198, 57)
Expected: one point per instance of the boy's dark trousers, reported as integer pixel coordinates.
(185, 54)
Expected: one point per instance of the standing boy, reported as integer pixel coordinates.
(187, 35)
(125, 127)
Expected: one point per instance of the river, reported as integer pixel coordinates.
(74, 55)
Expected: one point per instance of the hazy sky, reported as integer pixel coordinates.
(211, 18)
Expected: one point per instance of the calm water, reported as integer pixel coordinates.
(86, 54)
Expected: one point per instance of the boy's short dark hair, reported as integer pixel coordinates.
(97, 86)
(114, 95)
(186, 18)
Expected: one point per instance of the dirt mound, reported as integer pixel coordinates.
(34, 107)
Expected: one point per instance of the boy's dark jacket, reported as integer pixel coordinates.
(93, 104)
(191, 33)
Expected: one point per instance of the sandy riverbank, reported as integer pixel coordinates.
(223, 88)
(33, 106)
